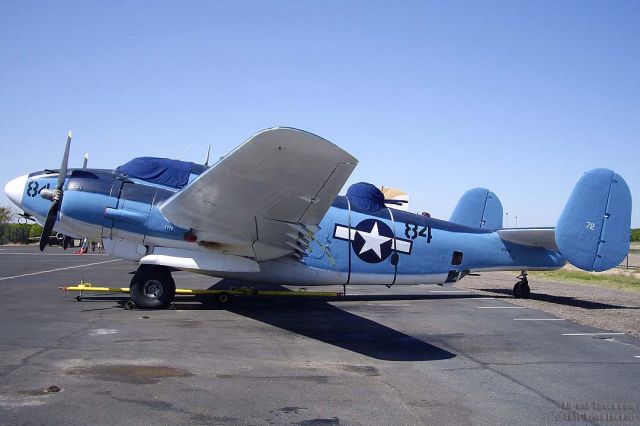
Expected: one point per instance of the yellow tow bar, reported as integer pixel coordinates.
(243, 291)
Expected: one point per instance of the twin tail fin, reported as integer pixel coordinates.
(593, 231)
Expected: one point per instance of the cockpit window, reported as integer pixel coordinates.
(43, 172)
(87, 181)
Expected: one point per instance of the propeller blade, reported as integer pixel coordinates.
(65, 161)
(48, 224)
(55, 196)
(86, 160)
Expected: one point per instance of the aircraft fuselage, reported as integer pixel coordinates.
(387, 247)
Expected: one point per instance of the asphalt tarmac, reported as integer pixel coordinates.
(405, 355)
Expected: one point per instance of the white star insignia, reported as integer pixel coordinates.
(373, 240)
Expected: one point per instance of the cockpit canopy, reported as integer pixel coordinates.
(162, 171)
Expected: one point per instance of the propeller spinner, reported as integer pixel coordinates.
(55, 195)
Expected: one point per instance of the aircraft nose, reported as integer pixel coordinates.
(14, 189)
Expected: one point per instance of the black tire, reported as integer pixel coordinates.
(152, 287)
(222, 297)
(525, 290)
(521, 290)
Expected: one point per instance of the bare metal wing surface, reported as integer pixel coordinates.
(532, 237)
(262, 197)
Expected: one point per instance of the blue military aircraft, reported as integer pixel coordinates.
(269, 212)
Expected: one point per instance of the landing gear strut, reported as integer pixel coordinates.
(521, 290)
(152, 287)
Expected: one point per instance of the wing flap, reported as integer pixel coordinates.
(321, 202)
(199, 260)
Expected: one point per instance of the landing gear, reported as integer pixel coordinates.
(152, 287)
(521, 290)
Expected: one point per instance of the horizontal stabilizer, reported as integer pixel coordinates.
(593, 230)
(531, 237)
(478, 208)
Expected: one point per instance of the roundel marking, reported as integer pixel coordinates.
(373, 241)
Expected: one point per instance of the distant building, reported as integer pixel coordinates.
(396, 194)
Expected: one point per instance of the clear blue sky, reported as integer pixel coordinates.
(431, 97)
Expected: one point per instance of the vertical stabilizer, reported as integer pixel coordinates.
(478, 208)
(594, 228)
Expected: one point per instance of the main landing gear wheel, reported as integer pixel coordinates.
(521, 290)
(152, 287)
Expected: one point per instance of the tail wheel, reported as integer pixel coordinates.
(222, 297)
(521, 290)
(152, 287)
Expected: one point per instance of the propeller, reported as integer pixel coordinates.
(86, 160)
(55, 196)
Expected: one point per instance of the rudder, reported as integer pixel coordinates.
(593, 230)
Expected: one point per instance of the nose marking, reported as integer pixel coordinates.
(14, 189)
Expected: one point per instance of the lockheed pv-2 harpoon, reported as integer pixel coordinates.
(269, 212)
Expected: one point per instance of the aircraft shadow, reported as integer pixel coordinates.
(318, 319)
(562, 300)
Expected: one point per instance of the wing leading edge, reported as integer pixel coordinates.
(262, 198)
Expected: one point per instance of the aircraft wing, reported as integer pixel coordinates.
(261, 199)
(532, 237)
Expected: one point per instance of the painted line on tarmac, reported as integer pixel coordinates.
(52, 254)
(538, 319)
(448, 291)
(592, 334)
(501, 307)
(102, 331)
(59, 269)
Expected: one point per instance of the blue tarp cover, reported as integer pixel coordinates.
(365, 197)
(163, 171)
